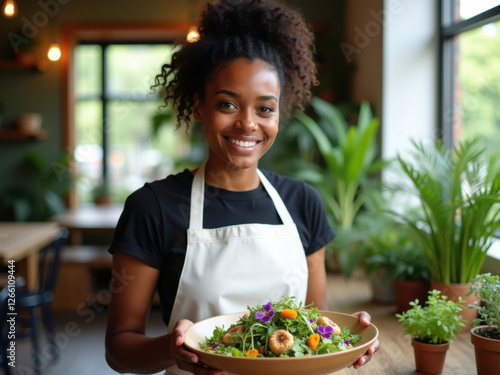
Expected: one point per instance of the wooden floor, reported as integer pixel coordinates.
(81, 338)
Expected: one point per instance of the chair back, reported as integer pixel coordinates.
(49, 262)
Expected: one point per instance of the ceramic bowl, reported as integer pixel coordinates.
(312, 365)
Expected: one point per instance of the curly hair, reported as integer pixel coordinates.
(232, 29)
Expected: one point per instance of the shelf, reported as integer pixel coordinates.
(37, 66)
(16, 135)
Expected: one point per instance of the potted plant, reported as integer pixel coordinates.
(393, 255)
(38, 194)
(485, 334)
(344, 180)
(458, 192)
(102, 193)
(411, 276)
(432, 328)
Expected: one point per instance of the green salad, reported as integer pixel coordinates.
(280, 329)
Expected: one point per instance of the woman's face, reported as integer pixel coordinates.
(240, 113)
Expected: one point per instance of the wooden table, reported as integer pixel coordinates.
(89, 218)
(81, 260)
(22, 242)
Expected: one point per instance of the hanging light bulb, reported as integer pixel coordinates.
(54, 52)
(192, 35)
(9, 8)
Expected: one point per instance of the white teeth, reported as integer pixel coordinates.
(242, 144)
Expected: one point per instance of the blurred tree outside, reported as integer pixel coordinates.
(478, 85)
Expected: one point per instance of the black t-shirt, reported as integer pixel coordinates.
(153, 225)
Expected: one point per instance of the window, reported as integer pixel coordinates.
(470, 36)
(114, 106)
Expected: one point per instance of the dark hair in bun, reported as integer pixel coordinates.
(231, 29)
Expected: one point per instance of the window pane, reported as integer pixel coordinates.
(88, 151)
(88, 72)
(470, 8)
(134, 156)
(477, 85)
(131, 68)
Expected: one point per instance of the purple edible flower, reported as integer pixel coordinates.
(311, 320)
(347, 342)
(326, 332)
(266, 314)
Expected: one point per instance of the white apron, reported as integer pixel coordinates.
(227, 269)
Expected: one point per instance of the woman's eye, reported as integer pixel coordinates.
(227, 105)
(266, 109)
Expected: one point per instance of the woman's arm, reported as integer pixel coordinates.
(316, 288)
(127, 348)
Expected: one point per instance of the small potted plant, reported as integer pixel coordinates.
(397, 258)
(392, 257)
(102, 193)
(485, 334)
(411, 276)
(432, 328)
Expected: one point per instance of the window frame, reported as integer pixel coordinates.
(449, 29)
(75, 34)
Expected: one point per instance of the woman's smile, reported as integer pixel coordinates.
(242, 143)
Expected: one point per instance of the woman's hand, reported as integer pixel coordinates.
(365, 319)
(186, 360)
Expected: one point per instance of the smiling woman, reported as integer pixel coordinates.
(225, 235)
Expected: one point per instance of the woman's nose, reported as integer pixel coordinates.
(246, 121)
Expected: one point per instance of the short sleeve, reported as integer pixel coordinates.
(319, 232)
(137, 231)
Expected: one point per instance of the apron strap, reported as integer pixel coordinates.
(285, 216)
(198, 196)
(197, 199)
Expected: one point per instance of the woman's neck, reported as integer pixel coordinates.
(232, 179)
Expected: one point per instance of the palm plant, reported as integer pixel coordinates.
(458, 192)
(349, 157)
(348, 162)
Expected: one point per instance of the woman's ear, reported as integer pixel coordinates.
(197, 108)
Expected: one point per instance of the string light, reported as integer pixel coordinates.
(54, 53)
(9, 8)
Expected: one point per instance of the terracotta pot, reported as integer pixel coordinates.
(429, 358)
(406, 291)
(487, 352)
(103, 201)
(453, 291)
